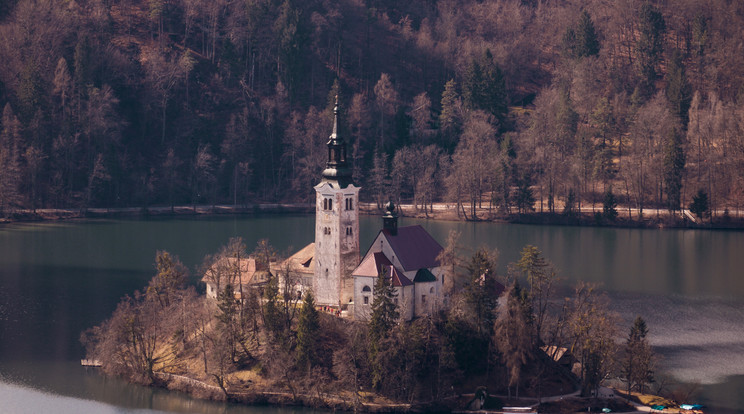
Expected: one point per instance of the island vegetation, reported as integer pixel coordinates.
(496, 339)
(499, 108)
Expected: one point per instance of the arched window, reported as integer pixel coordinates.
(366, 289)
(330, 204)
(325, 204)
(431, 290)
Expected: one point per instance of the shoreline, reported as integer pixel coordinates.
(652, 219)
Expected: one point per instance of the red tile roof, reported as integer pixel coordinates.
(414, 247)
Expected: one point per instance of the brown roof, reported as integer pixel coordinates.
(301, 262)
(399, 279)
(377, 263)
(414, 247)
(372, 265)
(229, 268)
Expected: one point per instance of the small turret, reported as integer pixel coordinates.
(390, 219)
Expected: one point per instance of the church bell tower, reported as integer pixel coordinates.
(336, 226)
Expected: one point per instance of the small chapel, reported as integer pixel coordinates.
(343, 280)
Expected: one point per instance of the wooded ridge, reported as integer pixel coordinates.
(520, 105)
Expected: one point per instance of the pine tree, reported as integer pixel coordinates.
(513, 334)
(271, 313)
(699, 205)
(674, 166)
(479, 294)
(587, 43)
(650, 46)
(383, 318)
(581, 41)
(308, 327)
(679, 91)
(609, 205)
(637, 367)
(484, 88)
(450, 119)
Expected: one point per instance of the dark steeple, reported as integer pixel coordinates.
(390, 219)
(336, 168)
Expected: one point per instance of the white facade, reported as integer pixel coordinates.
(336, 242)
(414, 298)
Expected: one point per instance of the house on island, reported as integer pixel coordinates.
(240, 273)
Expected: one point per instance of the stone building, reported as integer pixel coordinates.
(407, 256)
(241, 274)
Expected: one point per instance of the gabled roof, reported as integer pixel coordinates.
(372, 265)
(414, 247)
(398, 278)
(377, 263)
(301, 262)
(235, 272)
(424, 275)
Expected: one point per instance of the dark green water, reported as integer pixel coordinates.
(57, 279)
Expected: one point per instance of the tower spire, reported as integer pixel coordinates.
(336, 168)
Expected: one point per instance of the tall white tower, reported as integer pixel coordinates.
(336, 226)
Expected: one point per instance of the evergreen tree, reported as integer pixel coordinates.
(699, 205)
(308, 328)
(513, 334)
(272, 314)
(674, 166)
(450, 119)
(581, 41)
(383, 318)
(587, 43)
(540, 276)
(171, 276)
(524, 199)
(679, 91)
(650, 46)
(10, 169)
(637, 364)
(226, 318)
(480, 292)
(484, 88)
(609, 205)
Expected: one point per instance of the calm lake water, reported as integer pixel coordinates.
(57, 279)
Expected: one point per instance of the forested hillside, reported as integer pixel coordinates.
(511, 104)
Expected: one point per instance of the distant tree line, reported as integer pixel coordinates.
(510, 106)
(505, 332)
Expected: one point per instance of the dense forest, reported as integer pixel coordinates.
(515, 104)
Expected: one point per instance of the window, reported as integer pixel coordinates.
(366, 300)
(423, 298)
(431, 290)
(326, 272)
(366, 289)
(327, 204)
(330, 204)
(349, 204)
(349, 231)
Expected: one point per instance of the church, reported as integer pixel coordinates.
(343, 280)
